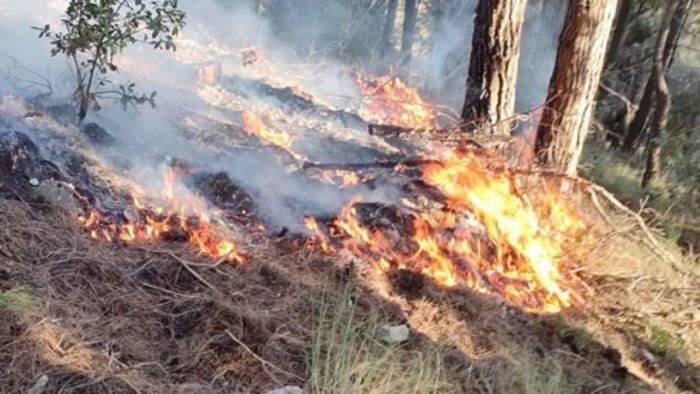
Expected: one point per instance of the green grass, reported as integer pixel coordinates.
(347, 358)
(545, 377)
(622, 174)
(665, 342)
(17, 299)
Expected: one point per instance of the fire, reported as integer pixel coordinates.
(185, 216)
(489, 237)
(391, 101)
(253, 125)
(342, 177)
(530, 239)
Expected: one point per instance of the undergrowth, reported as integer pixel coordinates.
(18, 298)
(347, 357)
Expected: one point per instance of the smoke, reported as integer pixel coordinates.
(315, 45)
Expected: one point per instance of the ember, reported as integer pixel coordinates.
(389, 100)
(343, 178)
(183, 217)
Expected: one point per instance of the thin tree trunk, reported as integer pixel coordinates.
(646, 105)
(639, 121)
(574, 83)
(493, 65)
(389, 23)
(409, 29)
(663, 97)
(624, 10)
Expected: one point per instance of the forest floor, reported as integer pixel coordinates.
(97, 317)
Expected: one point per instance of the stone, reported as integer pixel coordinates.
(34, 182)
(97, 134)
(39, 386)
(58, 194)
(394, 334)
(287, 390)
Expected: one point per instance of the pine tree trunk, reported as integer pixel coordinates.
(409, 29)
(389, 23)
(661, 92)
(624, 10)
(493, 65)
(574, 83)
(646, 105)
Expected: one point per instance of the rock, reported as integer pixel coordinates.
(394, 334)
(288, 390)
(97, 134)
(58, 194)
(34, 182)
(39, 386)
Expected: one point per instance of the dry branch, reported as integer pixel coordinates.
(262, 360)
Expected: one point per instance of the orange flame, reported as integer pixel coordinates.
(253, 125)
(389, 100)
(518, 255)
(153, 224)
(343, 177)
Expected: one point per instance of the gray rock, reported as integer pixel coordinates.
(394, 334)
(39, 386)
(288, 390)
(57, 194)
(97, 134)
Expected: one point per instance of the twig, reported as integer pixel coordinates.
(192, 271)
(262, 360)
(592, 188)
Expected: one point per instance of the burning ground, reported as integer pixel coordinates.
(253, 234)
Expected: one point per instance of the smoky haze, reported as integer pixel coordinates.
(316, 45)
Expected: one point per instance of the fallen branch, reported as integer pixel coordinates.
(594, 190)
(192, 271)
(412, 162)
(262, 360)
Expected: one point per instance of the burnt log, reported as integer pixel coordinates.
(410, 162)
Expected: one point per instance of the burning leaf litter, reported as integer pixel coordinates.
(388, 99)
(487, 236)
(183, 217)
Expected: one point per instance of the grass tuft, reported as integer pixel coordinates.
(17, 299)
(347, 358)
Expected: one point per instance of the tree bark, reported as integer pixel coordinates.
(409, 29)
(572, 89)
(663, 98)
(493, 65)
(389, 23)
(624, 10)
(647, 103)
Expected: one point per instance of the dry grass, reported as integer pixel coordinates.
(134, 319)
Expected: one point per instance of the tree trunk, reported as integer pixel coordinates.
(639, 121)
(624, 10)
(409, 29)
(493, 65)
(389, 23)
(663, 97)
(574, 83)
(646, 105)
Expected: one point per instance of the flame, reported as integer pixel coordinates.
(187, 216)
(318, 238)
(253, 125)
(391, 101)
(508, 246)
(343, 177)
